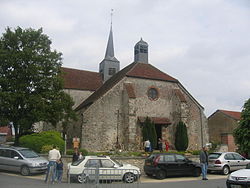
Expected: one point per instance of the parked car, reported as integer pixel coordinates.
(239, 178)
(161, 165)
(23, 160)
(226, 162)
(102, 167)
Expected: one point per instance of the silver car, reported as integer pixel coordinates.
(23, 160)
(226, 162)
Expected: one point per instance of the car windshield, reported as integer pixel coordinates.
(117, 162)
(214, 155)
(76, 163)
(28, 153)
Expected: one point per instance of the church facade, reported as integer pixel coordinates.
(113, 104)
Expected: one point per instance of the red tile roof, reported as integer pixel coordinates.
(137, 70)
(144, 70)
(80, 79)
(233, 114)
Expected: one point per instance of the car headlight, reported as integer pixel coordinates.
(35, 164)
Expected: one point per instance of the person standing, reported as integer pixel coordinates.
(54, 156)
(75, 156)
(204, 162)
(76, 142)
(147, 145)
(160, 144)
(59, 169)
(166, 146)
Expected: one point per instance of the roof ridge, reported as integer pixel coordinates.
(79, 70)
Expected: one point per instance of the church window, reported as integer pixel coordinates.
(112, 71)
(153, 93)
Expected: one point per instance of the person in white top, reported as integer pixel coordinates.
(147, 145)
(54, 156)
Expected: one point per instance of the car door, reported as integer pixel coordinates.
(16, 160)
(108, 170)
(240, 161)
(184, 167)
(91, 168)
(170, 164)
(230, 161)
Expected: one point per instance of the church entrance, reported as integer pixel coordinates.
(158, 129)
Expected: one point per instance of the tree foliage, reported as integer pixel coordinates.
(242, 132)
(36, 141)
(181, 137)
(149, 132)
(31, 81)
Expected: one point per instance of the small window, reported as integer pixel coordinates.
(112, 71)
(229, 156)
(153, 93)
(93, 163)
(180, 158)
(169, 158)
(107, 163)
(237, 156)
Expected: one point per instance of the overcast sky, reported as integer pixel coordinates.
(205, 44)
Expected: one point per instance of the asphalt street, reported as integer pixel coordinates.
(10, 180)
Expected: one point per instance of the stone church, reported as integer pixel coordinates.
(112, 104)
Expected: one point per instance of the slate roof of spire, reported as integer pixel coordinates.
(110, 55)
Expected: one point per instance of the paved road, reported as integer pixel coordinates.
(10, 180)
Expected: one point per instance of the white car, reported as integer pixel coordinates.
(239, 178)
(102, 168)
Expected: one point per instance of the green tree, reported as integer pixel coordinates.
(149, 132)
(181, 137)
(242, 132)
(31, 81)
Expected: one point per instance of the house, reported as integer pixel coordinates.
(112, 104)
(221, 125)
(5, 133)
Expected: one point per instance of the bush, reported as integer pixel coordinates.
(181, 137)
(71, 151)
(36, 141)
(46, 148)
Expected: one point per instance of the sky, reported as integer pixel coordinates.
(205, 44)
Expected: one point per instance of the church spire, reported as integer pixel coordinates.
(110, 46)
(109, 65)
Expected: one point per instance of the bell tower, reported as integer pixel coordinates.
(141, 52)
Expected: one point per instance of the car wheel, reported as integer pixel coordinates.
(197, 172)
(225, 170)
(129, 177)
(82, 178)
(25, 171)
(161, 174)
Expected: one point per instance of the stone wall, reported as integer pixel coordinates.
(112, 120)
(220, 124)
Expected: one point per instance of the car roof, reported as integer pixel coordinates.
(12, 147)
(97, 157)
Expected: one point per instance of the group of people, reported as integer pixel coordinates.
(55, 162)
(162, 145)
